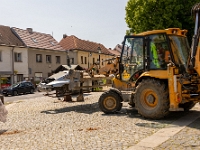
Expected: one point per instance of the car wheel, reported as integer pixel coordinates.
(15, 93)
(32, 91)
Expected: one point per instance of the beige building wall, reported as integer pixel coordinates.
(6, 58)
(73, 57)
(44, 67)
(85, 59)
(21, 67)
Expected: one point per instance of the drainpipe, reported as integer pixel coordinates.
(0, 84)
(12, 61)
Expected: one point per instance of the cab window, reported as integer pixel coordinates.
(159, 51)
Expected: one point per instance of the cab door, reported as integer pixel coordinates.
(132, 57)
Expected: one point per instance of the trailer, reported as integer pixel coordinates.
(69, 82)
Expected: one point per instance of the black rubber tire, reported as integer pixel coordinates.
(32, 91)
(187, 106)
(15, 93)
(151, 99)
(110, 102)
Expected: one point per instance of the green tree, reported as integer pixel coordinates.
(144, 15)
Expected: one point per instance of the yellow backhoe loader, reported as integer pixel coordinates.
(161, 71)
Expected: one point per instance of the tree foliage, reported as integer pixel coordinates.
(144, 15)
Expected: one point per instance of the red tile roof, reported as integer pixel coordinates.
(74, 43)
(115, 52)
(8, 38)
(37, 40)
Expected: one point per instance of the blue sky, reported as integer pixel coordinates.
(101, 21)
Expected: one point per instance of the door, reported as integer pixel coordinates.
(132, 57)
(22, 88)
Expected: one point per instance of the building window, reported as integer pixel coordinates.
(72, 60)
(38, 57)
(57, 59)
(34, 40)
(85, 60)
(81, 59)
(52, 43)
(0, 55)
(18, 57)
(29, 70)
(48, 58)
(93, 60)
(38, 76)
(20, 77)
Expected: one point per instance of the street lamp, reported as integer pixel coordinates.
(68, 59)
(99, 51)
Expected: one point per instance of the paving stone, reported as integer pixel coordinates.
(48, 123)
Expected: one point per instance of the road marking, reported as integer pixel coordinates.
(164, 134)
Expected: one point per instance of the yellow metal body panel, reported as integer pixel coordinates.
(173, 90)
(160, 74)
(197, 60)
(122, 85)
(175, 31)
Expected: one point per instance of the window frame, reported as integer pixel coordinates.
(85, 60)
(17, 57)
(40, 59)
(81, 59)
(72, 60)
(58, 59)
(48, 58)
(93, 60)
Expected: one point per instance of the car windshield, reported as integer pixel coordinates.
(14, 85)
(180, 49)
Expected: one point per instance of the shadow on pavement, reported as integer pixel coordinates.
(125, 111)
(87, 108)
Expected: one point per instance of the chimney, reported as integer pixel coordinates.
(64, 36)
(30, 30)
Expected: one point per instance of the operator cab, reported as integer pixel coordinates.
(153, 50)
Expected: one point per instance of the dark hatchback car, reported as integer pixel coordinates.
(19, 88)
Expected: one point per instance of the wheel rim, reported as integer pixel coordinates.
(149, 99)
(110, 103)
(15, 93)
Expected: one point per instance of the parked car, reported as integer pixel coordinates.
(18, 88)
(42, 86)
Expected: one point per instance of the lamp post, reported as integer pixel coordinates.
(68, 59)
(99, 51)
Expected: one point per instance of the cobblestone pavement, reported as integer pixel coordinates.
(48, 123)
(188, 138)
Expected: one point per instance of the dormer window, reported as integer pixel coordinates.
(34, 40)
(52, 43)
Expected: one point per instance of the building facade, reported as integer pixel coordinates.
(85, 53)
(9, 44)
(42, 54)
